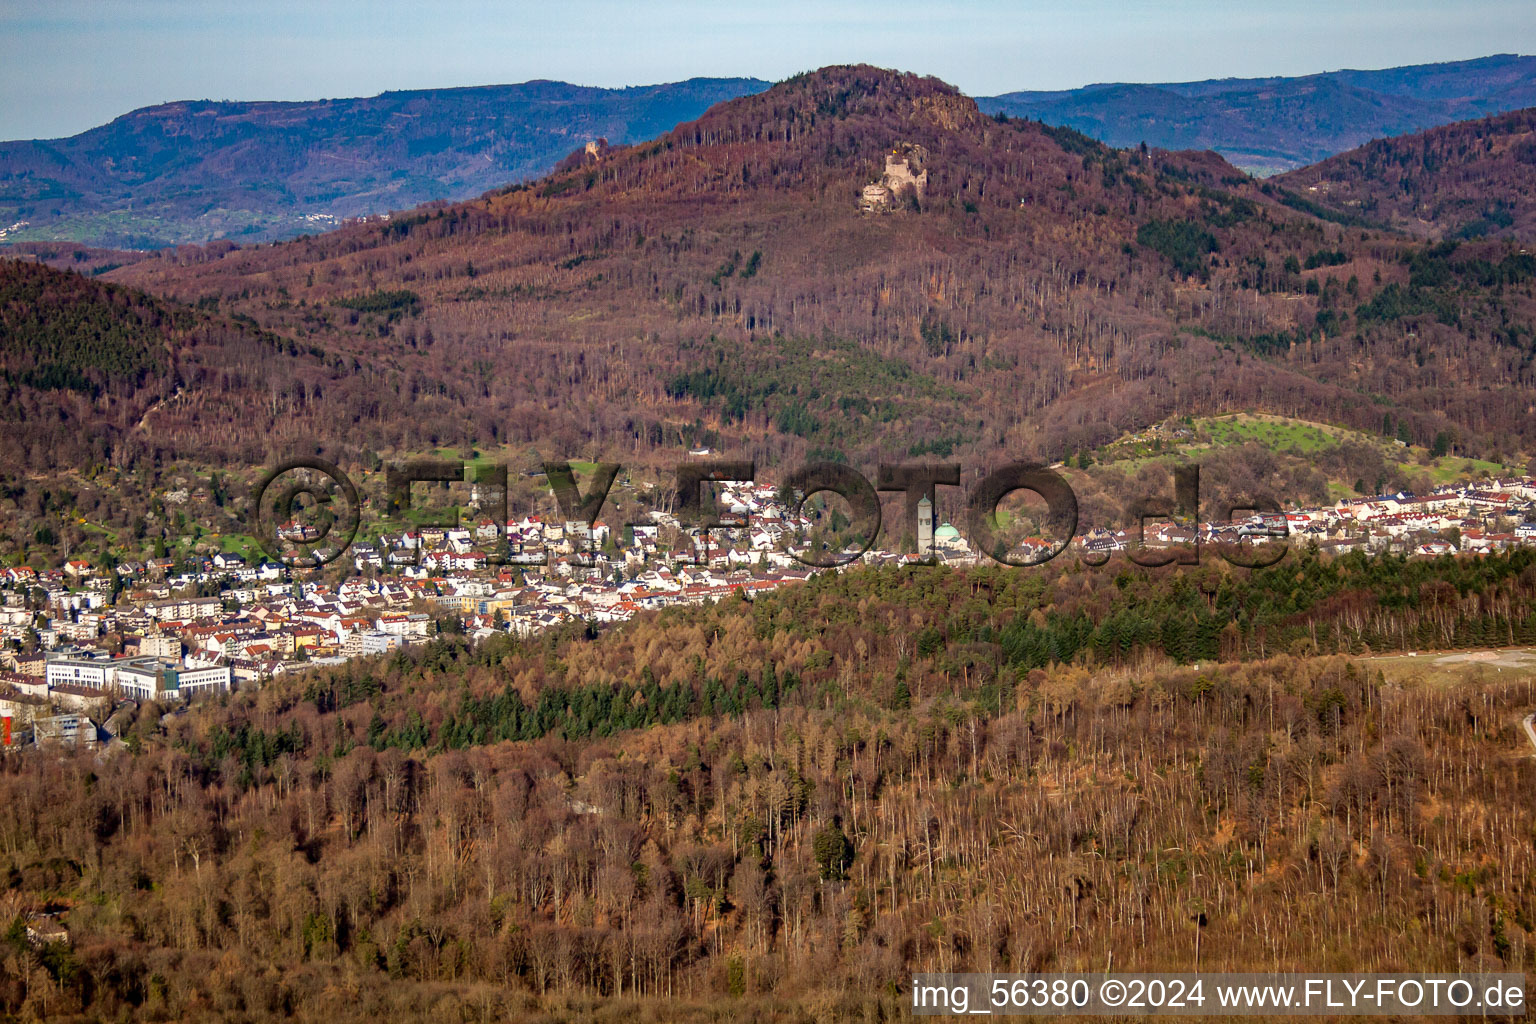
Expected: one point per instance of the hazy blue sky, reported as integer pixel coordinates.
(66, 65)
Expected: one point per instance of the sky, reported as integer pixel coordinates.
(68, 65)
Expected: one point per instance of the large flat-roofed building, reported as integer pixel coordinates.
(139, 678)
(66, 730)
(142, 680)
(97, 673)
(155, 679)
(193, 682)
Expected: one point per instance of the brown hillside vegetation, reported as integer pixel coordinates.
(721, 286)
(792, 805)
(1465, 180)
(93, 373)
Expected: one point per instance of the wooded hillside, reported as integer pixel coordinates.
(786, 807)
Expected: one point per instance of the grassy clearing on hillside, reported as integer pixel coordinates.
(1448, 468)
(1439, 669)
(1189, 440)
(1275, 433)
(514, 458)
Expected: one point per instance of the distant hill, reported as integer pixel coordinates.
(859, 264)
(195, 171)
(1465, 180)
(1265, 125)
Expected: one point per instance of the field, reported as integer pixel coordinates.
(1293, 439)
(1275, 432)
(1489, 667)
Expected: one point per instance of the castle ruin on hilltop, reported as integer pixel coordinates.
(904, 171)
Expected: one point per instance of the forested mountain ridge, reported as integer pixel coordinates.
(1275, 124)
(794, 804)
(194, 171)
(94, 373)
(1472, 179)
(1023, 289)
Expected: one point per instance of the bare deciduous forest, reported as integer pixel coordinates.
(1462, 180)
(794, 803)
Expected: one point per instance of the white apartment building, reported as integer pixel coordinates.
(143, 678)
